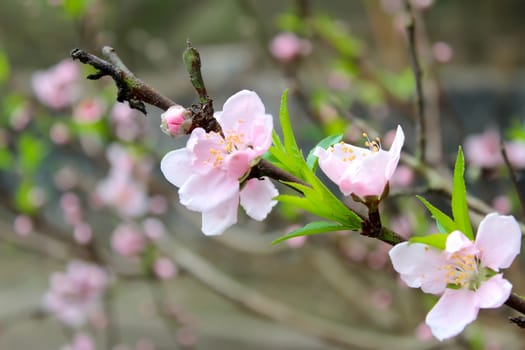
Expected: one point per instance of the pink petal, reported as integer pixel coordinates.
(239, 109)
(494, 292)
(257, 197)
(457, 241)
(453, 312)
(395, 152)
(176, 166)
(206, 151)
(331, 164)
(204, 193)
(217, 220)
(419, 266)
(499, 241)
(238, 163)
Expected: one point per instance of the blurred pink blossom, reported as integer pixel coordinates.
(296, 242)
(483, 150)
(153, 228)
(165, 268)
(516, 153)
(186, 336)
(120, 189)
(81, 341)
(58, 87)
(21, 117)
(127, 240)
(286, 47)
(65, 178)
(23, 225)
(423, 332)
(381, 299)
(442, 51)
(158, 204)
(127, 125)
(401, 224)
(83, 233)
(59, 133)
(403, 177)
(70, 204)
(76, 293)
(502, 205)
(89, 111)
(145, 344)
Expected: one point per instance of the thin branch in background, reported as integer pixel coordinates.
(513, 178)
(420, 126)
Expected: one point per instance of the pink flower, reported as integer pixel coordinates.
(287, 46)
(175, 121)
(23, 225)
(81, 341)
(483, 150)
(470, 267)
(127, 241)
(208, 170)
(74, 295)
(442, 51)
(57, 87)
(89, 111)
(361, 171)
(516, 153)
(120, 189)
(165, 268)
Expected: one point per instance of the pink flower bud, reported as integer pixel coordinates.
(127, 241)
(175, 121)
(165, 269)
(286, 47)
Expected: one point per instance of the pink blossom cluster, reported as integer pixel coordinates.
(122, 189)
(58, 87)
(210, 170)
(484, 150)
(75, 295)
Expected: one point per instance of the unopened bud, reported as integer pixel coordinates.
(175, 121)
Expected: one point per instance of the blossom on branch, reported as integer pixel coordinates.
(361, 171)
(465, 273)
(210, 169)
(76, 294)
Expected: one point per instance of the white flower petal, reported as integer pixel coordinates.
(494, 292)
(204, 193)
(216, 221)
(420, 266)
(499, 241)
(452, 313)
(176, 166)
(257, 197)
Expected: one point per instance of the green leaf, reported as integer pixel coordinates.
(23, 199)
(4, 67)
(6, 159)
(290, 144)
(436, 240)
(313, 228)
(312, 159)
(32, 151)
(442, 219)
(459, 198)
(75, 8)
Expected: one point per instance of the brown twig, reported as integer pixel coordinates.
(513, 178)
(420, 126)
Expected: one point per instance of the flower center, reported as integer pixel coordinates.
(463, 271)
(373, 145)
(229, 144)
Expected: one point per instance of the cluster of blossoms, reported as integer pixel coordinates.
(76, 294)
(465, 273)
(484, 150)
(211, 170)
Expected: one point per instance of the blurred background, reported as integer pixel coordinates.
(82, 195)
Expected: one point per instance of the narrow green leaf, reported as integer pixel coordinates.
(312, 228)
(284, 118)
(442, 219)
(436, 240)
(312, 159)
(459, 198)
